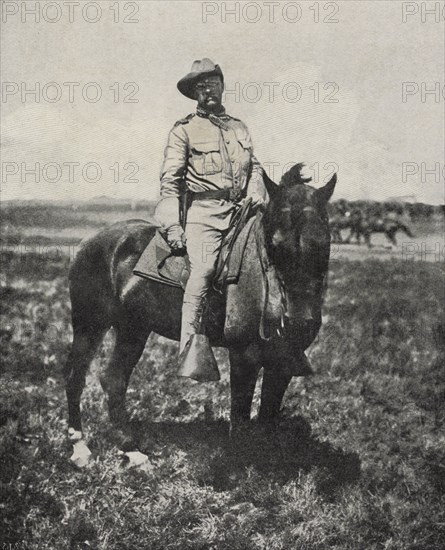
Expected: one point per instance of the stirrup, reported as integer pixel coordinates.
(197, 360)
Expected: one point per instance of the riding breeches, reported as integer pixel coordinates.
(203, 245)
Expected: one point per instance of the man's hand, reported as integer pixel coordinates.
(175, 237)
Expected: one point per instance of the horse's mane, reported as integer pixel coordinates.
(294, 176)
(292, 180)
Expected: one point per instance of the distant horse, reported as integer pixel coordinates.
(349, 220)
(337, 223)
(387, 226)
(105, 293)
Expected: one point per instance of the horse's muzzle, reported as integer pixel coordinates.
(302, 334)
(302, 323)
(300, 313)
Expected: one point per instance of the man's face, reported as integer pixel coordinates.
(208, 93)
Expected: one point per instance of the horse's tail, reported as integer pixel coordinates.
(90, 285)
(94, 275)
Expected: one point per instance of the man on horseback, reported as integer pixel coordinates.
(209, 163)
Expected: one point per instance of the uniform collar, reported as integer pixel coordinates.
(218, 119)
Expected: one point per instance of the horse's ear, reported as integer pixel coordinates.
(271, 186)
(325, 193)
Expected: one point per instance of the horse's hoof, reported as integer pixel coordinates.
(74, 435)
(124, 440)
(136, 459)
(81, 454)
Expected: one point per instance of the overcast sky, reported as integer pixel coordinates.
(334, 98)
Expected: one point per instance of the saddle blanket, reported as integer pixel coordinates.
(160, 264)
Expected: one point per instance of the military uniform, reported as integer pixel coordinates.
(207, 153)
(210, 155)
(203, 156)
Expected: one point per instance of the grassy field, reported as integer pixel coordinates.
(358, 462)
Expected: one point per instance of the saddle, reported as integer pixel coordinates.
(159, 263)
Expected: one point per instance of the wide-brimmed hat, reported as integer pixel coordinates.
(200, 68)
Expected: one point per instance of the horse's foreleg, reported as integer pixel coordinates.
(244, 366)
(128, 347)
(391, 235)
(368, 240)
(86, 340)
(338, 237)
(407, 230)
(275, 382)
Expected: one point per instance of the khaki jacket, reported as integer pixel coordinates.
(202, 156)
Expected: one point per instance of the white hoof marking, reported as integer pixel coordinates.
(81, 454)
(136, 459)
(74, 435)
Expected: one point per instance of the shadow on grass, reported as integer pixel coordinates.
(280, 453)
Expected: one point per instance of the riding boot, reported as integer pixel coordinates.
(196, 359)
(191, 318)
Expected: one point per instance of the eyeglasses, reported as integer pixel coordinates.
(212, 86)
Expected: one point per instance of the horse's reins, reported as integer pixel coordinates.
(237, 223)
(265, 266)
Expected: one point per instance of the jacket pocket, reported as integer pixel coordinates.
(205, 158)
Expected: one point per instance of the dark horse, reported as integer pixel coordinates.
(388, 226)
(105, 293)
(350, 220)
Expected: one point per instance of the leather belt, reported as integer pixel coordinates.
(228, 194)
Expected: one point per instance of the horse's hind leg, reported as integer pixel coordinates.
(86, 339)
(128, 347)
(244, 367)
